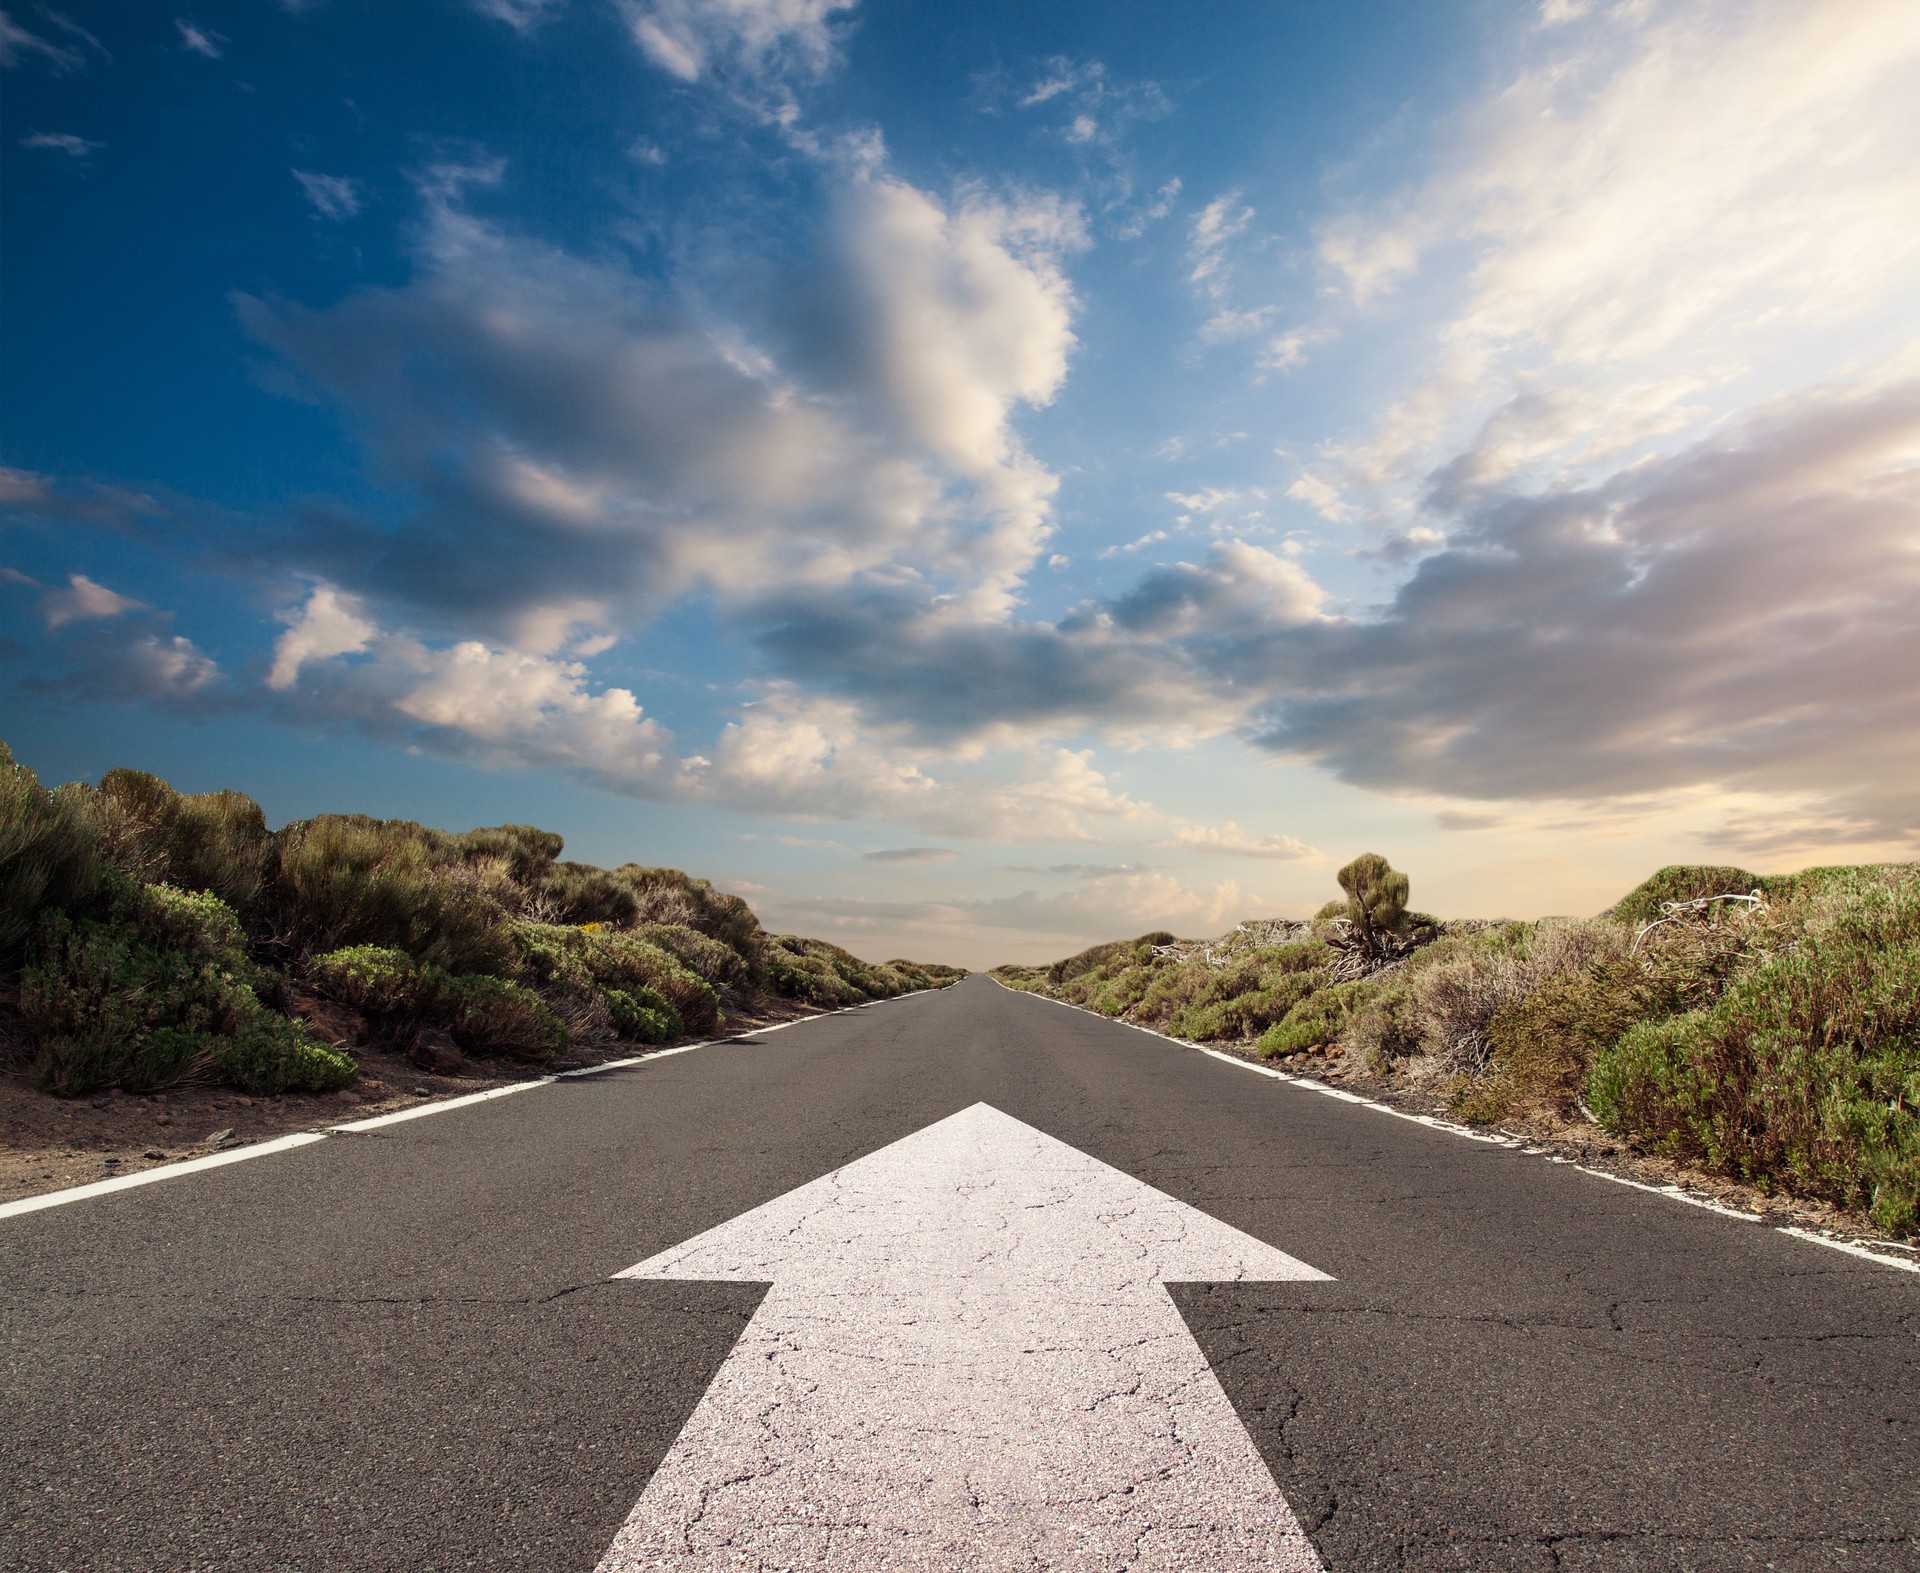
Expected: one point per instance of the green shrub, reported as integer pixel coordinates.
(794, 969)
(644, 1016)
(718, 964)
(488, 1015)
(1681, 882)
(1247, 1012)
(157, 994)
(581, 961)
(1376, 896)
(377, 981)
(665, 895)
(345, 879)
(1806, 1070)
(526, 852)
(214, 841)
(49, 857)
(269, 1055)
(1318, 1019)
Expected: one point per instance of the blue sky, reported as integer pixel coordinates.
(978, 480)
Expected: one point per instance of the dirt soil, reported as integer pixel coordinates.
(49, 1143)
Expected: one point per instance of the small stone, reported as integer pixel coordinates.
(111, 1163)
(344, 1095)
(220, 1136)
(245, 1103)
(100, 1102)
(153, 1155)
(163, 1119)
(421, 1092)
(115, 1093)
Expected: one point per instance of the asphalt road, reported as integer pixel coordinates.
(405, 1350)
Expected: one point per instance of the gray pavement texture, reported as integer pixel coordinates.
(405, 1349)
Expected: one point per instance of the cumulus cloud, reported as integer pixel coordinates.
(577, 435)
(333, 196)
(1670, 210)
(952, 317)
(1739, 615)
(81, 600)
(787, 753)
(138, 661)
(329, 624)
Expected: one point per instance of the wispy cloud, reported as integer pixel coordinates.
(1668, 211)
(18, 44)
(1232, 841)
(766, 41)
(61, 142)
(336, 197)
(523, 16)
(199, 40)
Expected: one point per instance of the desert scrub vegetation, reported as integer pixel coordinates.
(1762, 1027)
(150, 938)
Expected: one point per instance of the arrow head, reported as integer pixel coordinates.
(978, 1197)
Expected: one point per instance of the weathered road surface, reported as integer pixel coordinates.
(408, 1349)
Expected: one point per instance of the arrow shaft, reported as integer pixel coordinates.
(946, 1431)
(967, 1360)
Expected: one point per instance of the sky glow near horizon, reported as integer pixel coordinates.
(981, 484)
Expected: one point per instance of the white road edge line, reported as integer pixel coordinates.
(126, 1182)
(168, 1171)
(1671, 1192)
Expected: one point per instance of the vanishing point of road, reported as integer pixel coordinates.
(963, 1280)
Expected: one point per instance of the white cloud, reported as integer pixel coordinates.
(1672, 210)
(578, 436)
(523, 16)
(1214, 228)
(1286, 350)
(761, 38)
(61, 142)
(329, 624)
(168, 668)
(1737, 617)
(17, 44)
(83, 599)
(1136, 223)
(199, 40)
(787, 754)
(1321, 495)
(960, 314)
(1240, 588)
(1227, 325)
(1206, 500)
(333, 196)
(1232, 841)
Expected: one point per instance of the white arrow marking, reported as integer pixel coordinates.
(967, 1360)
